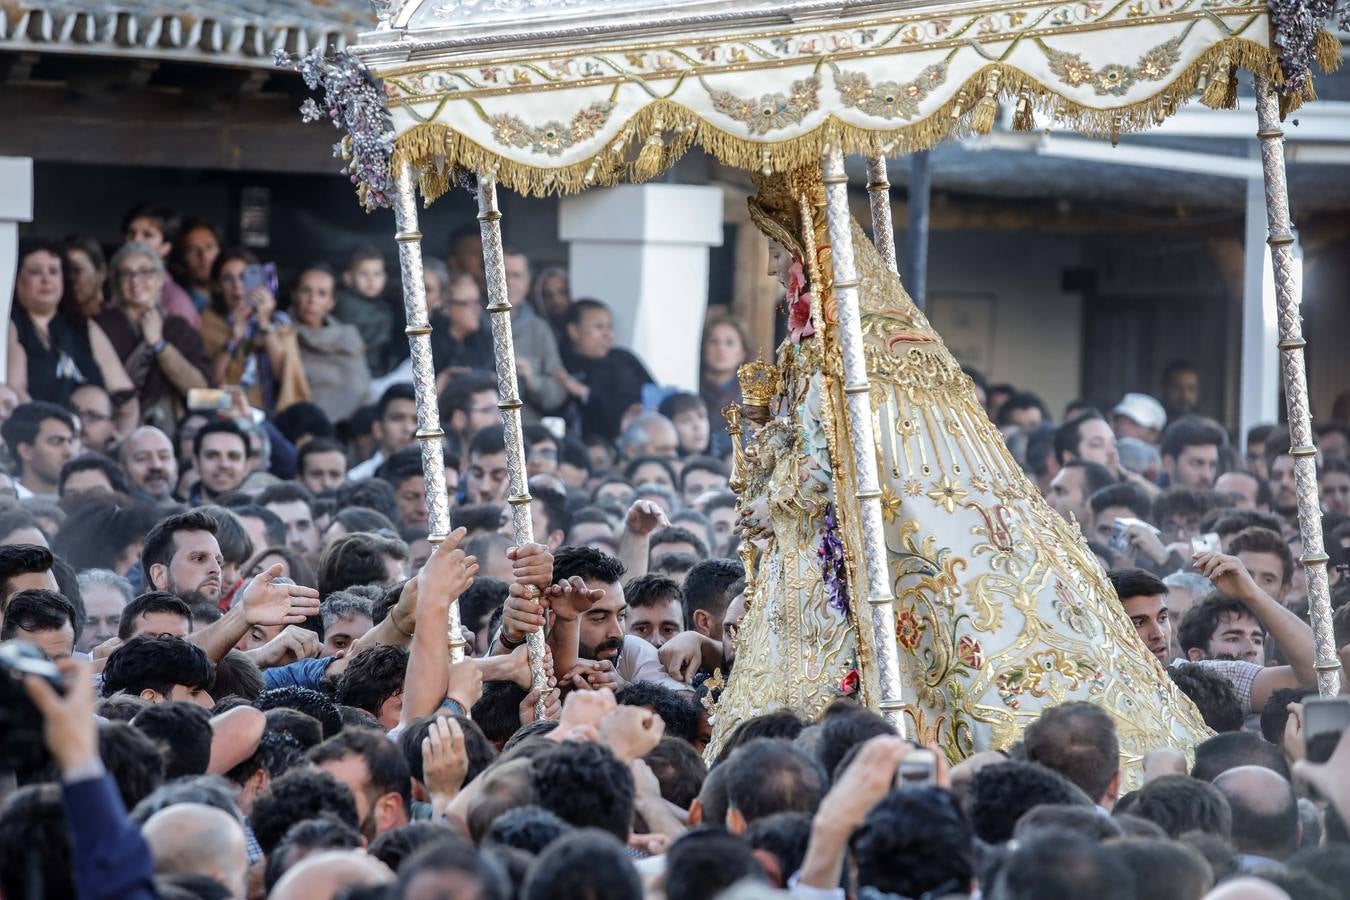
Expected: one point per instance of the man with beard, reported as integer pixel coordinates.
(182, 556)
(606, 656)
(150, 465)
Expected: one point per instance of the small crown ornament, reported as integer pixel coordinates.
(760, 382)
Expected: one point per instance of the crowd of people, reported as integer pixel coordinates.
(230, 669)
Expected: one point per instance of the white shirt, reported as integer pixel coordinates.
(364, 470)
(639, 661)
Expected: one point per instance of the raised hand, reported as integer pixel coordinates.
(1228, 575)
(521, 614)
(631, 731)
(445, 762)
(569, 599)
(447, 573)
(466, 683)
(292, 643)
(531, 564)
(644, 517)
(68, 722)
(267, 603)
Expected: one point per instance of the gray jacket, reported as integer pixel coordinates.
(536, 345)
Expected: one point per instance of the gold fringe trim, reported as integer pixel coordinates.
(665, 129)
(1328, 53)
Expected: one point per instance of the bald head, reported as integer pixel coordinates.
(1265, 811)
(324, 875)
(149, 461)
(194, 839)
(1246, 889)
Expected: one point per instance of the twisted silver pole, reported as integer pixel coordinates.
(429, 431)
(879, 193)
(508, 400)
(862, 435)
(1288, 296)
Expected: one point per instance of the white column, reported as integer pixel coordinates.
(16, 205)
(643, 249)
(1260, 370)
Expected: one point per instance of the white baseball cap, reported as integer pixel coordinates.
(1143, 410)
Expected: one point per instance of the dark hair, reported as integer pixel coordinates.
(459, 391)
(285, 492)
(302, 793)
(1087, 820)
(388, 770)
(705, 861)
(300, 727)
(1262, 540)
(1055, 862)
(678, 710)
(1184, 501)
(488, 442)
(182, 731)
(220, 426)
(372, 677)
(1136, 583)
(652, 589)
(38, 610)
(529, 828)
(99, 530)
(1228, 521)
(90, 461)
(1179, 803)
(452, 853)
(841, 733)
(497, 711)
(1095, 475)
(304, 418)
(277, 753)
(21, 559)
(478, 602)
(586, 785)
(1019, 400)
(1275, 715)
(394, 846)
(159, 543)
(151, 602)
(134, 761)
(554, 504)
(633, 465)
(770, 775)
(915, 842)
(1002, 792)
(784, 836)
(705, 588)
(584, 865)
(121, 708)
(35, 853)
(1232, 749)
(317, 445)
(1190, 431)
(237, 675)
(1129, 496)
(157, 663)
(1067, 437)
(324, 832)
(356, 559)
(1329, 864)
(372, 494)
(674, 534)
(477, 748)
(1204, 618)
(590, 565)
(1077, 740)
(679, 769)
(315, 704)
(235, 545)
(1212, 694)
(26, 420)
(779, 723)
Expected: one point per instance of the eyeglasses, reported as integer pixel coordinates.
(136, 274)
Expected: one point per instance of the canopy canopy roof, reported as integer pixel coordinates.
(555, 96)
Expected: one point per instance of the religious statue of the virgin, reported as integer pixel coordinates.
(1001, 609)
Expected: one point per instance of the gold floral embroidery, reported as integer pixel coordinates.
(890, 503)
(947, 493)
(1115, 79)
(1069, 608)
(908, 629)
(888, 99)
(913, 488)
(769, 112)
(1036, 676)
(969, 651)
(551, 138)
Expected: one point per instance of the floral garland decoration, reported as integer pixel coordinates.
(354, 103)
(799, 304)
(1297, 25)
(833, 567)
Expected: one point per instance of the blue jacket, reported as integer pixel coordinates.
(109, 858)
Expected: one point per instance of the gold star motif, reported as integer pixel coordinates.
(947, 494)
(980, 485)
(890, 503)
(913, 488)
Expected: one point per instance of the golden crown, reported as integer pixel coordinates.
(759, 382)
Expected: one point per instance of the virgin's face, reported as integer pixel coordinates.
(722, 349)
(39, 285)
(780, 261)
(232, 283)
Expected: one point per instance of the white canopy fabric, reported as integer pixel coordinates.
(595, 103)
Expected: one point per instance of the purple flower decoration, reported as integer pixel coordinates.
(1297, 23)
(833, 568)
(354, 103)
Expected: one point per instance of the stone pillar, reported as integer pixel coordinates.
(643, 249)
(16, 205)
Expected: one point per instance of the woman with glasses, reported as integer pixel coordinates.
(251, 343)
(52, 347)
(163, 353)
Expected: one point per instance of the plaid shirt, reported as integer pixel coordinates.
(1240, 674)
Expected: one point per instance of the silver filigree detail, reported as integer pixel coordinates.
(879, 193)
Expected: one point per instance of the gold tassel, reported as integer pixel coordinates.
(1023, 120)
(1216, 91)
(1230, 95)
(649, 160)
(1328, 52)
(986, 110)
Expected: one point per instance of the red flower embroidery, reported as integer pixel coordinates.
(849, 686)
(907, 630)
(799, 305)
(970, 652)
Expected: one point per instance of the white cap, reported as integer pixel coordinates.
(1143, 410)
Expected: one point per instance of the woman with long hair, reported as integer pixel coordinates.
(251, 343)
(53, 348)
(724, 350)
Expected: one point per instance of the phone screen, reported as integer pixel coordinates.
(1323, 723)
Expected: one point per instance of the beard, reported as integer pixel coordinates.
(586, 651)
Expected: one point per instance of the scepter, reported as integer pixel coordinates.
(508, 401)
